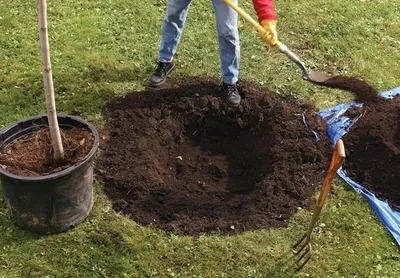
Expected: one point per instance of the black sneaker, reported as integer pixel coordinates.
(231, 93)
(160, 75)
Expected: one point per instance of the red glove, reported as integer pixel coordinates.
(265, 9)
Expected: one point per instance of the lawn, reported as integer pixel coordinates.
(104, 49)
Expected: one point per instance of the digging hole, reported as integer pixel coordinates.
(180, 159)
(223, 140)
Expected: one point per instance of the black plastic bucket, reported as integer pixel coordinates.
(52, 203)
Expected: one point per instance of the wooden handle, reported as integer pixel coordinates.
(249, 19)
(338, 157)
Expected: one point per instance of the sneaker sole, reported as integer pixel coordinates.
(232, 105)
(155, 85)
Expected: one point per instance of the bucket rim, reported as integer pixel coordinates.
(59, 174)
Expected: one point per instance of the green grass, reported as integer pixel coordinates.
(102, 49)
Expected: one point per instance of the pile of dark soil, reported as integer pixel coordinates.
(32, 155)
(180, 159)
(373, 150)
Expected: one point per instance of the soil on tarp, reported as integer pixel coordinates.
(32, 155)
(354, 112)
(373, 150)
(180, 159)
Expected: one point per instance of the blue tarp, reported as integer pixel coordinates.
(338, 125)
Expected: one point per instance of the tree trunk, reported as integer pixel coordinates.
(48, 82)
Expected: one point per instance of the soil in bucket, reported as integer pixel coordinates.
(179, 159)
(32, 154)
(373, 149)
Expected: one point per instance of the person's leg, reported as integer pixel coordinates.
(173, 25)
(174, 22)
(229, 49)
(228, 39)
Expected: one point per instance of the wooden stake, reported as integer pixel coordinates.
(48, 82)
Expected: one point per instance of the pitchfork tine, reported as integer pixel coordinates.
(304, 251)
(304, 245)
(305, 241)
(298, 243)
(304, 263)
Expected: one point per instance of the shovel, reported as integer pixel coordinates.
(303, 246)
(309, 75)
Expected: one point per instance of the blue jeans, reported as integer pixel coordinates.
(228, 36)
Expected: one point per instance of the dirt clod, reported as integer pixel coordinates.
(180, 159)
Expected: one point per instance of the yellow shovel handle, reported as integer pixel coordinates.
(249, 19)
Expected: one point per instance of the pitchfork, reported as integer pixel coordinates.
(303, 246)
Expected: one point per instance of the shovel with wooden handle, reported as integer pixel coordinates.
(309, 75)
(303, 246)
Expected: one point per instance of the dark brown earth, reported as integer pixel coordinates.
(32, 155)
(179, 159)
(373, 150)
(354, 112)
(361, 89)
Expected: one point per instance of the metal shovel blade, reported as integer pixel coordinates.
(317, 77)
(309, 75)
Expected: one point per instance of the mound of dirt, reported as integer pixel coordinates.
(180, 159)
(373, 150)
